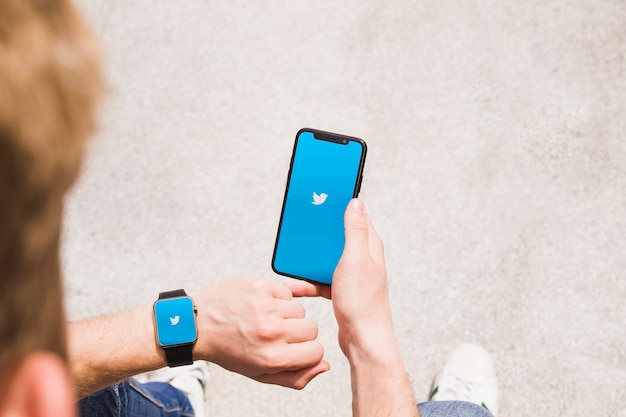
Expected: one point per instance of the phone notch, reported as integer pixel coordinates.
(331, 137)
(322, 179)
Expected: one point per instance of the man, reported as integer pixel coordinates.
(50, 84)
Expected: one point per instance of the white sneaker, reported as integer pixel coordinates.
(190, 379)
(468, 375)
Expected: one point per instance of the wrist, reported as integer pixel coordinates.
(203, 349)
(371, 345)
(175, 326)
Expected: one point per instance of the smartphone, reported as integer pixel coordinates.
(325, 173)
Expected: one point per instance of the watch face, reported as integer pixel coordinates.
(175, 321)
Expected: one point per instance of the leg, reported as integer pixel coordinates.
(131, 398)
(452, 409)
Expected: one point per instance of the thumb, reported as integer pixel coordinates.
(356, 248)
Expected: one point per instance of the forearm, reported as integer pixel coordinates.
(231, 317)
(106, 350)
(380, 383)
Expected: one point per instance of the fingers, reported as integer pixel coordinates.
(295, 356)
(281, 292)
(289, 357)
(300, 330)
(301, 288)
(290, 309)
(295, 379)
(290, 330)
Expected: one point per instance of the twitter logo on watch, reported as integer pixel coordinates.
(319, 199)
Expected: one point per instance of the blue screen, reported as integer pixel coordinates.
(175, 321)
(322, 183)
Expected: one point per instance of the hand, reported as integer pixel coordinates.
(359, 287)
(380, 384)
(253, 327)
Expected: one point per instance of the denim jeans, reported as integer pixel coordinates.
(159, 399)
(133, 399)
(452, 409)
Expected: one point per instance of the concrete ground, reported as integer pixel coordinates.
(496, 176)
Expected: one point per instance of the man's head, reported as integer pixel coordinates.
(50, 82)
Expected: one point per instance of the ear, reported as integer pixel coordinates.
(39, 387)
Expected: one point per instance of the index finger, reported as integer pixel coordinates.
(301, 288)
(281, 292)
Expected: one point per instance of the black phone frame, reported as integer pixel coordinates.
(329, 137)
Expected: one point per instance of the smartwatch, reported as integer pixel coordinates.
(175, 326)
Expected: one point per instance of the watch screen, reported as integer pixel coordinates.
(175, 321)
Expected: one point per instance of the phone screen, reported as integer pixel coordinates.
(325, 174)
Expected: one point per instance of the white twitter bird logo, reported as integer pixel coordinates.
(319, 198)
(174, 320)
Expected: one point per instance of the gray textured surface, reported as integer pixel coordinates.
(495, 175)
